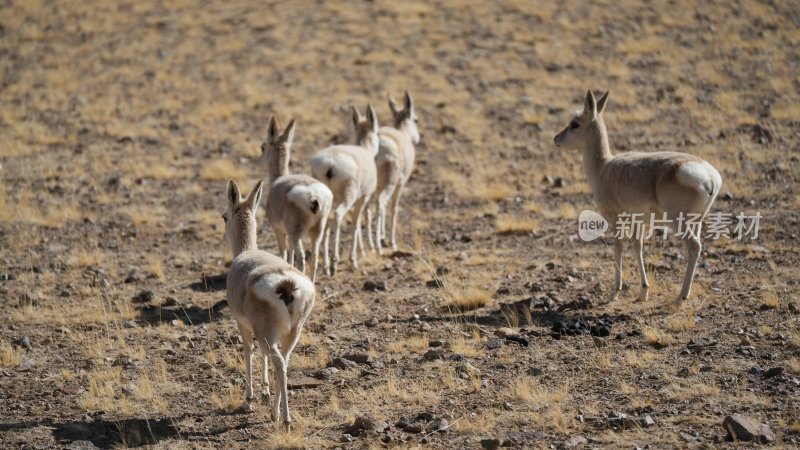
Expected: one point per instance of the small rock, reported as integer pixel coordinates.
(26, 365)
(684, 372)
(303, 383)
(535, 371)
(144, 296)
(742, 428)
(440, 425)
(170, 301)
(80, 445)
(122, 360)
(130, 324)
(491, 443)
(346, 438)
(494, 344)
(374, 286)
(756, 370)
(793, 308)
(699, 343)
(326, 373)
(360, 358)
(342, 363)
(599, 342)
(519, 339)
(434, 343)
(25, 342)
(434, 284)
(773, 372)
(505, 332)
(371, 323)
(433, 355)
(442, 271)
(369, 423)
(574, 441)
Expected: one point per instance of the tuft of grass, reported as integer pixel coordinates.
(221, 170)
(8, 355)
(466, 298)
(156, 267)
(311, 360)
(469, 348)
(230, 399)
(682, 392)
(770, 298)
(655, 337)
(234, 359)
(410, 344)
(514, 224)
(681, 322)
(532, 392)
(794, 364)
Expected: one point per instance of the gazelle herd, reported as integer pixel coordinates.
(271, 297)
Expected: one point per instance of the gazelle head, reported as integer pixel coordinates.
(406, 118)
(240, 217)
(582, 129)
(366, 129)
(276, 148)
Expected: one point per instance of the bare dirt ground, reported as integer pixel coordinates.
(121, 121)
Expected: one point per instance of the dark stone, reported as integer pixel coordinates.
(434, 284)
(440, 425)
(369, 423)
(521, 340)
(700, 343)
(491, 443)
(360, 358)
(433, 355)
(374, 286)
(535, 371)
(144, 296)
(436, 343)
(773, 372)
(494, 344)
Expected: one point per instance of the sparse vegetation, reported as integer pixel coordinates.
(121, 121)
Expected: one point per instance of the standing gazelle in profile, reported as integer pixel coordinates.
(349, 172)
(394, 162)
(269, 298)
(297, 205)
(671, 183)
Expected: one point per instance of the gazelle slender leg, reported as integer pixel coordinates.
(395, 208)
(298, 254)
(369, 226)
(338, 218)
(358, 209)
(638, 246)
(315, 234)
(326, 255)
(247, 341)
(693, 247)
(282, 399)
(380, 227)
(617, 268)
(265, 394)
(281, 237)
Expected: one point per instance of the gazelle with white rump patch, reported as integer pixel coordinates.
(671, 183)
(269, 298)
(394, 162)
(349, 172)
(297, 205)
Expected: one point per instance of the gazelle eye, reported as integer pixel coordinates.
(574, 125)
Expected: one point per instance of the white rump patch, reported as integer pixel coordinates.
(701, 175)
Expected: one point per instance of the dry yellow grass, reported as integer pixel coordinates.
(221, 170)
(410, 344)
(9, 356)
(656, 337)
(535, 393)
(229, 399)
(513, 224)
(681, 322)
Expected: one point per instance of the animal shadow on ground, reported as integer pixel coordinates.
(191, 315)
(210, 283)
(112, 434)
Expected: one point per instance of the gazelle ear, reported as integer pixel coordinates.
(601, 104)
(409, 104)
(254, 199)
(272, 129)
(393, 105)
(590, 105)
(234, 195)
(372, 118)
(288, 134)
(356, 116)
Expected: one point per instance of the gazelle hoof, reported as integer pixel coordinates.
(265, 397)
(613, 296)
(643, 294)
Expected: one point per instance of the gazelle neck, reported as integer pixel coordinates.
(597, 152)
